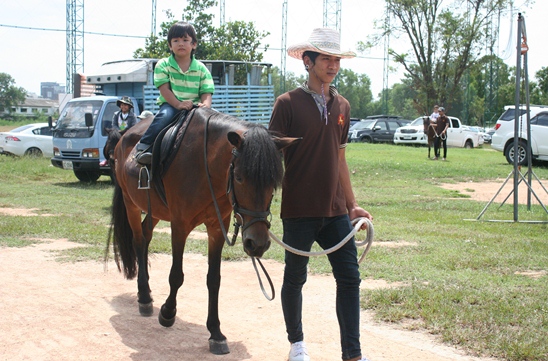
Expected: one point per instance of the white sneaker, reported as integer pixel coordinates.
(298, 352)
(364, 359)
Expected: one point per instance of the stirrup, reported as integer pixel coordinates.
(144, 178)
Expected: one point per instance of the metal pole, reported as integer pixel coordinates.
(516, 119)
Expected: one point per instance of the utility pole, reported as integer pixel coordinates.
(284, 47)
(332, 14)
(75, 42)
(153, 22)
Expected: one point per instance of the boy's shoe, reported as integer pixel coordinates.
(443, 159)
(143, 156)
(298, 352)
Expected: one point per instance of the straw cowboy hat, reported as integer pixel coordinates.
(322, 40)
(125, 100)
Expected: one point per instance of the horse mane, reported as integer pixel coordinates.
(261, 159)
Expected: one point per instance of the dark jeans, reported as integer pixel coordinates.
(301, 233)
(161, 120)
(437, 147)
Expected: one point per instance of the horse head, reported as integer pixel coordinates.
(113, 137)
(255, 173)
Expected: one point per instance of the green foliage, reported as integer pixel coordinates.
(235, 40)
(444, 41)
(356, 88)
(10, 95)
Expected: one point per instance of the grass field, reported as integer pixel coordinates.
(462, 280)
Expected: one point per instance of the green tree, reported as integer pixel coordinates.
(10, 95)
(356, 88)
(445, 40)
(237, 40)
(542, 78)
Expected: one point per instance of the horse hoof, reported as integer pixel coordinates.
(218, 347)
(146, 309)
(166, 322)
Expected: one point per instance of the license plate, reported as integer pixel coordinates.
(67, 164)
(406, 138)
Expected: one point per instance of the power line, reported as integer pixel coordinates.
(64, 31)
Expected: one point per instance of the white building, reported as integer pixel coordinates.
(33, 107)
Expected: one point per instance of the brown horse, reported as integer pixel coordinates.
(429, 131)
(222, 164)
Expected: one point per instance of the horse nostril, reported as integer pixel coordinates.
(249, 245)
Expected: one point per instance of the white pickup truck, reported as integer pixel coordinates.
(458, 135)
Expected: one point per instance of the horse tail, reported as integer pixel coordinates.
(122, 236)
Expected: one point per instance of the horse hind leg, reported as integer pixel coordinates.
(141, 249)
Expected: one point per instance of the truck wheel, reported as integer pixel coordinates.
(88, 177)
(522, 153)
(468, 144)
(366, 140)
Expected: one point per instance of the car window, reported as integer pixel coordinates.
(417, 121)
(510, 114)
(366, 124)
(45, 131)
(110, 109)
(21, 128)
(42, 131)
(541, 119)
(394, 125)
(382, 125)
(454, 123)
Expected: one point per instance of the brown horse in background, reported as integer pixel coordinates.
(223, 164)
(430, 132)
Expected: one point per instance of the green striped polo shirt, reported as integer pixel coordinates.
(189, 85)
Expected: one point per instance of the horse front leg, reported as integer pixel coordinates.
(217, 341)
(167, 314)
(141, 249)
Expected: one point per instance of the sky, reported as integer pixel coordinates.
(33, 56)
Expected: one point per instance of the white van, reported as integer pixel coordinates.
(503, 139)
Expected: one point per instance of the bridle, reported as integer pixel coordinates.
(264, 217)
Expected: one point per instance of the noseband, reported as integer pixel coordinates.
(239, 211)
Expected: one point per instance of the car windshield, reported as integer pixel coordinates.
(364, 124)
(72, 116)
(417, 121)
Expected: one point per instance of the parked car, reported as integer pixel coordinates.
(30, 140)
(488, 135)
(376, 128)
(479, 130)
(503, 139)
(354, 121)
(458, 135)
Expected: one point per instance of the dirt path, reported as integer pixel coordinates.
(77, 311)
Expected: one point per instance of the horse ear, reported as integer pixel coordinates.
(283, 142)
(235, 139)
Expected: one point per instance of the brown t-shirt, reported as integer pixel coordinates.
(311, 186)
(442, 122)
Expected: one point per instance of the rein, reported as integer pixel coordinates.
(238, 211)
(357, 223)
(443, 136)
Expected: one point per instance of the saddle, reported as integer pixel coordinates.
(164, 150)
